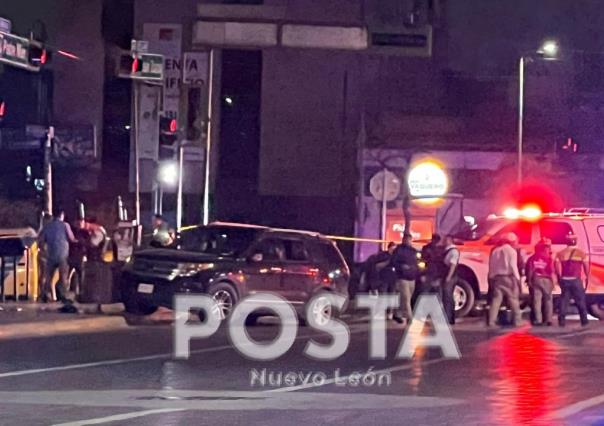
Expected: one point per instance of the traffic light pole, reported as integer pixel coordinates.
(179, 196)
(48, 170)
(137, 186)
(208, 153)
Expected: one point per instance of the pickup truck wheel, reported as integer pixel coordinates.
(597, 310)
(464, 298)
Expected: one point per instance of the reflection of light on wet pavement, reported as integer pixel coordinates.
(527, 381)
(417, 369)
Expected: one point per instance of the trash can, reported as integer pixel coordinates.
(99, 283)
(12, 252)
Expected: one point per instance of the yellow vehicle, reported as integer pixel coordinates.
(19, 269)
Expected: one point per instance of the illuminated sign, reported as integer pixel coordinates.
(427, 180)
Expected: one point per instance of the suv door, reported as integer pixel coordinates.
(264, 267)
(299, 272)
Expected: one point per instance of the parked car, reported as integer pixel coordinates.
(231, 261)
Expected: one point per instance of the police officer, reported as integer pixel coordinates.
(450, 260)
(405, 265)
(432, 255)
(570, 264)
(504, 278)
(540, 276)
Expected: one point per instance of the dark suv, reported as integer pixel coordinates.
(231, 261)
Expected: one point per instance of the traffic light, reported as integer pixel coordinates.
(168, 128)
(37, 54)
(2, 109)
(142, 66)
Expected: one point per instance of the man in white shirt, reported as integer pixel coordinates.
(504, 278)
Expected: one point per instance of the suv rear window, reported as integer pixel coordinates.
(325, 252)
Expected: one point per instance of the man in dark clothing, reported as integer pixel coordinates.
(405, 264)
(571, 264)
(56, 236)
(432, 255)
(450, 261)
(376, 270)
(78, 253)
(540, 277)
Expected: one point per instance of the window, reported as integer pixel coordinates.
(271, 250)
(295, 251)
(227, 241)
(327, 253)
(601, 233)
(523, 230)
(555, 231)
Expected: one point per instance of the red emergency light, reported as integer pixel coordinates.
(529, 212)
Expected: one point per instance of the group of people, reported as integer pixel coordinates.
(397, 271)
(543, 271)
(63, 249)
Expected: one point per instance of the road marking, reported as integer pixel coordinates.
(353, 330)
(577, 407)
(118, 417)
(105, 363)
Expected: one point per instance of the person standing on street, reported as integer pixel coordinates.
(378, 270)
(504, 278)
(405, 265)
(432, 255)
(56, 236)
(571, 263)
(540, 277)
(161, 232)
(450, 262)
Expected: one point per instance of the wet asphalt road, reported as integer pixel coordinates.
(529, 376)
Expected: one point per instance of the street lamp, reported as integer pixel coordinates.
(168, 173)
(548, 51)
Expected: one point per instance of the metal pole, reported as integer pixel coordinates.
(384, 206)
(48, 169)
(137, 183)
(181, 169)
(160, 202)
(206, 183)
(520, 116)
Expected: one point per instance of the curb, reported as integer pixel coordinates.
(58, 327)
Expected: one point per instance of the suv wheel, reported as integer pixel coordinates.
(320, 309)
(464, 298)
(225, 296)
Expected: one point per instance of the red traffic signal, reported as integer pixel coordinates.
(167, 130)
(2, 109)
(37, 54)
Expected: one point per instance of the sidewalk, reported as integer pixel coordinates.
(29, 319)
